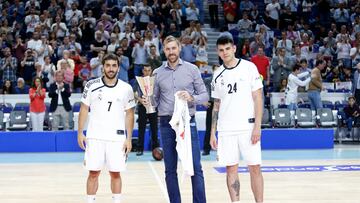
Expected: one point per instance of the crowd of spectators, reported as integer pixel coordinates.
(38, 38)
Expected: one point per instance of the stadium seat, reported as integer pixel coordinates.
(18, 121)
(266, 121)
(282, 118)
(326, 118)
(328, 104)
(6, 108)
(22, 106)
(303, 118)
(306, 105)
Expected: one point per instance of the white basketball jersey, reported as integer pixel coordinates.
(234, 87)
(107, 108)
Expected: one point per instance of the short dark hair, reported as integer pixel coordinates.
(110, 56)
(303, 60)
(296, 67)
(318, 62)
(224, 40)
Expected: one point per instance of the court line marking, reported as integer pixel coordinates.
(158, 180)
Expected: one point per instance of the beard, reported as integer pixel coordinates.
(173, 58)
(108, 76)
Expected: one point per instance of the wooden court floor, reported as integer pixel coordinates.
(143, 182)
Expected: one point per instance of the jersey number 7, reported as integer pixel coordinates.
(109, 105)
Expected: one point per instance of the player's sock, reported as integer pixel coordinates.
(91, 198)
(116, 198)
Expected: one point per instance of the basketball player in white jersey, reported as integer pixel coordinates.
(237, 92)
(109, 131)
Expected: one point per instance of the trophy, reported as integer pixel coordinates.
(146, 85)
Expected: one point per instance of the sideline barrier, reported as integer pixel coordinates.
(66, 141)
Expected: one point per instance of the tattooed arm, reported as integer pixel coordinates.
(214, 119)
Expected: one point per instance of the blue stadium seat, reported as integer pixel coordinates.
(200, 108)
(23, 106)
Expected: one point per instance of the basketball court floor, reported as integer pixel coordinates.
(291, 176)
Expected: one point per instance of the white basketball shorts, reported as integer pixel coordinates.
(100, 153)
(232, 144)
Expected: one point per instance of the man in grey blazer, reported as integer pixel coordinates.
(282, 67)
(356, 84)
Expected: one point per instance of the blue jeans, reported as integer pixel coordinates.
(168, 137)
(315, 99)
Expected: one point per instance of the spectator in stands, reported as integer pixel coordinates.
(356, 84)
(35, 43)
(286, 18)
(120, 23)
(272, 14)
(98, 44)
(73, 14)
(126, 49)
(285, 43)
(60, 106)
(68, 73)
(39, 73)
(130, 11)
(73, 41)
(263, 65)
(351, 114)
(139, 55)
(297, 56)
(145, 13)
(49, 69)
(197, 33)
(254, 45)
(283, 85)
(19, 48)
(188, 52)
(28, 66)
(143, 116)
(244, 26)
(66, 58)
(153, 59)
(230, 11)
(201, 59)
(128, 34)
(7, 87)
(149, 39)
(59, 28)
(114, 43)
(45, 50)
(293, 5)
(173, 31)
(343, 51)
(96, 65)
(294, 81)
(8, 66)
(124, 65)
(315, 85)
(192, 13)
(31, 21)
(306, 9)
(341, 15)
(246, 5)
(37, 96)
(282, 66)
(213, 6)
(21, 87)
(84, 72)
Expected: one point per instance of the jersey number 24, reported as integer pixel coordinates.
(232, 88)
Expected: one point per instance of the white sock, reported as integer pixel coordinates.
(116, 198)
(91, 198)
(236, 202)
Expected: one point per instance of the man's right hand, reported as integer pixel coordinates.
(81, 141)
(213, 142)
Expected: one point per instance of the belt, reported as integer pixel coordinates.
(60, 104)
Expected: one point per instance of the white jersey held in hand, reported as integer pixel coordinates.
(180, 122)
